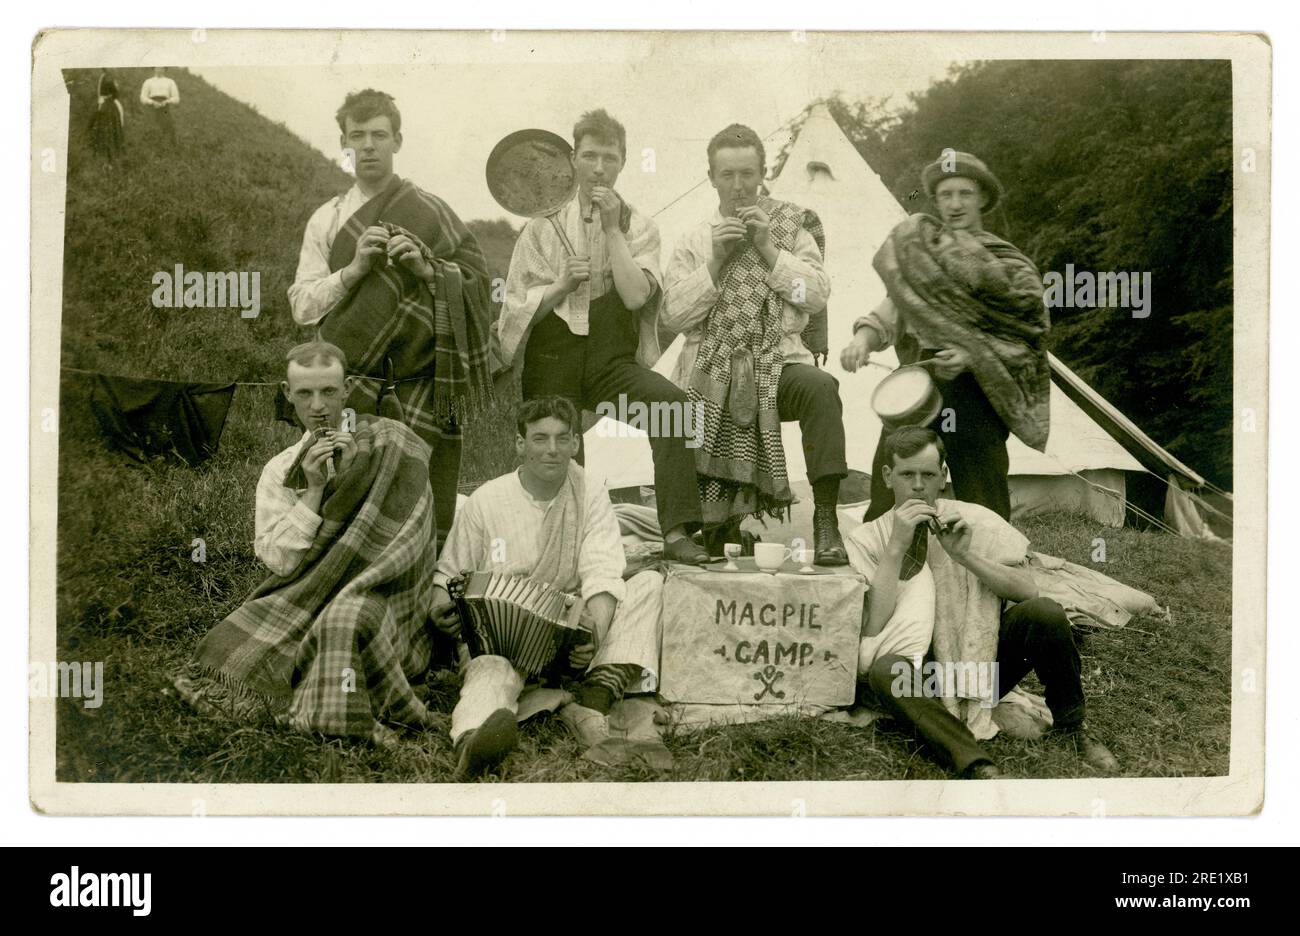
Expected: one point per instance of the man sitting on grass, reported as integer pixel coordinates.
(330, 642)
(972, 602)
(546, 522)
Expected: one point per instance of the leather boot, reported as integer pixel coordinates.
(828, 545)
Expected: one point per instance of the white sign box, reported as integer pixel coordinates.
(760, 639)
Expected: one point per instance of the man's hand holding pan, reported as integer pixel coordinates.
(953, 532)
(727, 236)
(408, 250)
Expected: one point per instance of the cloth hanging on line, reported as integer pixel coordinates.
(146, 418)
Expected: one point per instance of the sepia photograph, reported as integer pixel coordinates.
(625, 423)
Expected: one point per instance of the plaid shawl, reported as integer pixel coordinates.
(332, 647)
(437, 339)
(976, 292)
(742, 470)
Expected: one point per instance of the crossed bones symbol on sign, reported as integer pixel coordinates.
(768, 676)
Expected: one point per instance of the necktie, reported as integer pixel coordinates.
(914, 558)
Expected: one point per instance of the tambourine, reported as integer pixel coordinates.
(909, 396)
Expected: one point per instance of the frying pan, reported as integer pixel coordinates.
(530, 174)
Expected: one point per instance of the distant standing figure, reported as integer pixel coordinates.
(106, 135)
(159, 95)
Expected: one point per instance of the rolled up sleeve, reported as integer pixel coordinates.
(799, 277)
(882, 322)
(689, 291)
(466, 548)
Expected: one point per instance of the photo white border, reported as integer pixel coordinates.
(1248, 570)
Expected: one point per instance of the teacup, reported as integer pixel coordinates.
(769, 556)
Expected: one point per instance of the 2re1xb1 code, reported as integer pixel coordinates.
(1189, 877)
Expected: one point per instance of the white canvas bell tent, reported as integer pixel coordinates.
(1085, 467)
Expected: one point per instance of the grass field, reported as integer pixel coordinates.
(131, 595)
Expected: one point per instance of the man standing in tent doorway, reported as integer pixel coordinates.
(971, 305)
(748, 288)
(399, 283)
(581, 324)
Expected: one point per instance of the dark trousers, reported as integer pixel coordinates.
(1033, 635)
(812, 396)
(599, 367)
(165, 122)
(976, 441)
(1036, 635)
(946, 735)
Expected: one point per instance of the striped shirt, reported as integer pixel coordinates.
(538, 259)
(284, 527)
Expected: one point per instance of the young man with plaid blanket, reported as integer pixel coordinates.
(748, 288)
(972, 304)
(543, 521)
(331, 641)
(395, 279)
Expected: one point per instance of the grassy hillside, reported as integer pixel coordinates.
(235, 195)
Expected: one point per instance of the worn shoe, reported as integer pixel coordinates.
(486, 746)
(588, 726)
(686, 550)
(828, 545)
(982, 770)
(1091, 751)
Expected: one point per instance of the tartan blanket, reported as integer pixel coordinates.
(976, 292)
(437, 339)
(742, 470)
(332, 648)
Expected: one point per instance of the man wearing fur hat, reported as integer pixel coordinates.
(971, 304)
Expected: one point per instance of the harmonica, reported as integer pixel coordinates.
(324, 433)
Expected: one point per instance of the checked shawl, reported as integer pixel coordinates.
(976, 292)
(742, 470)
(357, 604)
